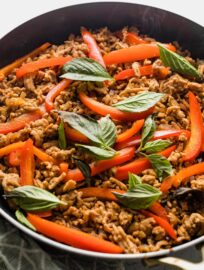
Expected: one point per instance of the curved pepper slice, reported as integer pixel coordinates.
(27, 164)
(103, 165)
(160, 134)
(182, 176)
(194, 144)
(139, 165)
(107, 194)
(128, 73)
(134, 39)
(162, 222)
(116, 114)
(20, 122)
(93, 49)
(75, 135)
(134, 53)
(15, 157)
(8, 69)
(42, 63)
(137, 125)
(72, 236)
(54, 92)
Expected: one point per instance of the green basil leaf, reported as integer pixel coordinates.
(61, 136)
(133, 181)
(139, 103)
(161, 165)
(84, 168)
(85, 69)
(87, 126)
(141, 197)
(21, 218)
(107, 131)
(147, 131)
(156, 146)
(31, 198)
(98, 152)
(178, 63)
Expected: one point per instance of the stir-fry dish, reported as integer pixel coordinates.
(101, 142)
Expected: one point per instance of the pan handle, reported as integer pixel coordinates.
(177, 262)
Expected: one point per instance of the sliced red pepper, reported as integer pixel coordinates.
(42, 63)
(20, 122)
(134, 39)
(41, 155)
(6, 150)
(27, 164)
(134, 53)
(139, 165)
(182, 176)
(128, 73)
(159, 210)
(54, 92)
(160, 134)
(116, 114)
(43, 214)
(72, 236)
(103, 165)
(9, 68)
(107, 194)
(193, 147)
(74, 135)
(137, 125)
(15, 157)
(93, 49)
(162, 222)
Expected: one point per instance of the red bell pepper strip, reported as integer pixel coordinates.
(137, 125)
(72, 236)
(162, 222)
(128, 73)
(134, 53)
(43, 214)
(114, 113)
(19, 122)
(74, 135)
(93, 49)
(15, 157)
(6, 150)
(193, 147)
(102, 165)
(41, 155)
(100, 193)
(159, 210)
(42, 63)
(54, 92)
(134, 39)
(27, 164)
(107, 194)
(160, 134)
(9, 68)
(182, 176)
(139, 165)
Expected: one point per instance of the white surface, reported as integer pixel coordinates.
(15, 12)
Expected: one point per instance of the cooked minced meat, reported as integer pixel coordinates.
(110, 220)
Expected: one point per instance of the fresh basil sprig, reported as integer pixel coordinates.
(101, 133)
(147, 131)
(21, 218)
(133, 181)
(139, 196)
(31, 198)
(139, 103)
(156, 146)
(61, 136)
(178, 63)
(161, 165)
(85, 169)
(85, 69)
